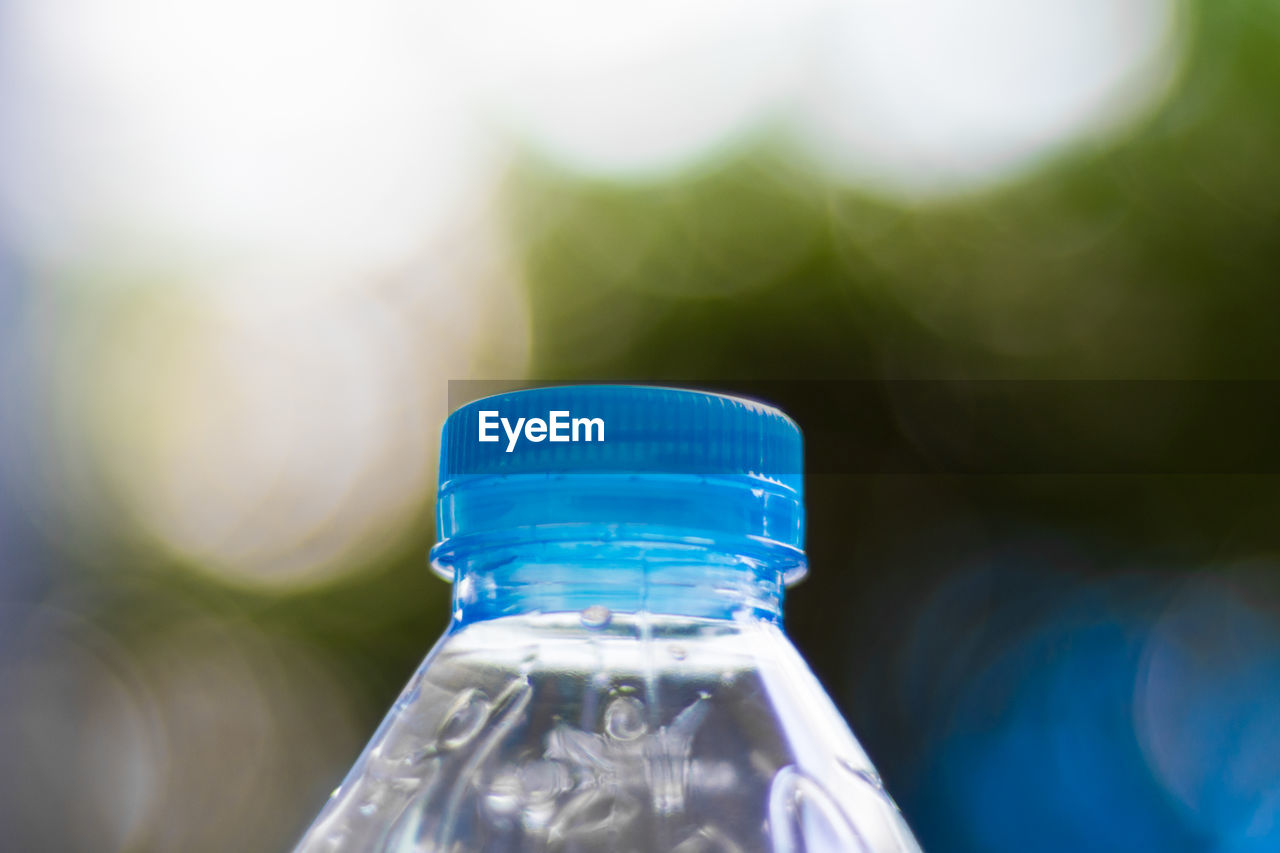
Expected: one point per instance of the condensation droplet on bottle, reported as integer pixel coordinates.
(596, 616)
(868, 796)
(865, 774)
(527, 662)
(468, 715)
(677, 652)
(624, 719)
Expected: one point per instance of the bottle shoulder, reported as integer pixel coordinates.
(658, 730)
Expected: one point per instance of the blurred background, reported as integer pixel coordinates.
(244, 246)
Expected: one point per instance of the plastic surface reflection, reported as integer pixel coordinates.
(549, 733)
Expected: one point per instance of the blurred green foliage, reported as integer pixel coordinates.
(1152, 257)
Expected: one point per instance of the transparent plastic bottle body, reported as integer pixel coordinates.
(598, 730)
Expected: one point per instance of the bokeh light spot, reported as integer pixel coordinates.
(1206, 707)
(941, 96)
(636, 89)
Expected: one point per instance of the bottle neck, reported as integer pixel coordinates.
(600, 570)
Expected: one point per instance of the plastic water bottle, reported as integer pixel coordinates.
(615, 676)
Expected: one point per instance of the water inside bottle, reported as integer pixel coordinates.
(622, 732)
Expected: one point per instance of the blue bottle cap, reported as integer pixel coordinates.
(632, 460)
